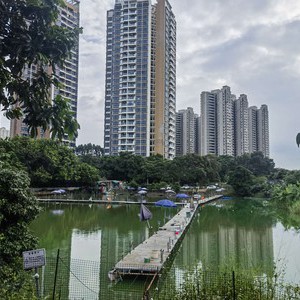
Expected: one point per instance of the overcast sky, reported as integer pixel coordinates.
(252, 46)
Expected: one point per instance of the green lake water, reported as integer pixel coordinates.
(92, 238)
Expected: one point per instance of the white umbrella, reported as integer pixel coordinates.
(170, 191)
(142, 192)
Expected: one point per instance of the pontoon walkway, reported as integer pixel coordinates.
(149, 257)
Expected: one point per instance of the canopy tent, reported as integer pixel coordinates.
(165, 203)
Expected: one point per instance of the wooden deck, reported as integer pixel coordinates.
(149, 257)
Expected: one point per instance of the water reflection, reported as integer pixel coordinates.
(91, 240)
(80, 281)
(219, 238)
(238, 233)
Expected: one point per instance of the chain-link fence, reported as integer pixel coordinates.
(178, 283)
(65, 278)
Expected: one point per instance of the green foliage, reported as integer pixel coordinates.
(285, 195)
(279, 174)
(17, 209)
(242, 284)
(29, 36)
(62, 120)
(190, 169)
(48, 163)
(227, 164)
(89, 150)
(241, 179)
(286, 198)
(133, 184)
(16, 284)
(295, 209)
(193, 169)
(256, 163)
(125, 167)
(292, 177)
(154, 169)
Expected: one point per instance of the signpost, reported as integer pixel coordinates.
(32, 260)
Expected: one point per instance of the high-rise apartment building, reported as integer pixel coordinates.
(259, 130)
(67, 74)
(185, 131)
(252, 129)
(217, 128)
(263, 130)
(241, 125)
(230, 127)
(225, 129)
(140, 86)
(197, 134)
(208, 136)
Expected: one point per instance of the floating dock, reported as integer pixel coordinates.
(149, 257)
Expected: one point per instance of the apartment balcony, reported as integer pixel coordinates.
(127, 110)
(129, 129)
(126, 148)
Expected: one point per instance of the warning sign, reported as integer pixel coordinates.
(34, 258)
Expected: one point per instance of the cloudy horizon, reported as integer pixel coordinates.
(251, 46)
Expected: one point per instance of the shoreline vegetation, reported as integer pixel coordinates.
(229, 283)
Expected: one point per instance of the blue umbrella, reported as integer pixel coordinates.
(165, 203)
(182, 196)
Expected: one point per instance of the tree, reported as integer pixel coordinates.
(227, 164)
(241, 180)
(89, 149)
(256, 163)
(154, 169)
(17, 209)
(47, 162)
(189, 169)
(29, 36)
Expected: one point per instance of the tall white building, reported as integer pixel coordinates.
(241, 125)
(252, 129)
(217, 131)
(225, 129)
(140, 88)
(208, 123)
(229, 127)
(259, 130)
(197, 134)
(185, 131)
(263, 130)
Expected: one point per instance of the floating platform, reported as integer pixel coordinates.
(149, 257)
